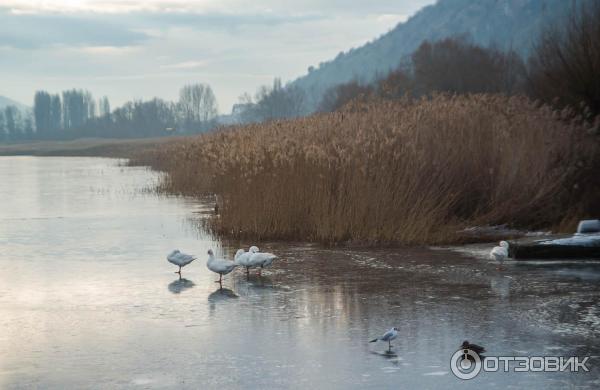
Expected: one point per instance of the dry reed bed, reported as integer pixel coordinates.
(395, 171)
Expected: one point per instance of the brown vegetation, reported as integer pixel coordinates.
(401, 171)
(341, 95)
(564, 69)
(450, 65)
(454, 65)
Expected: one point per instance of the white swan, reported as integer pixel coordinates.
(260, 259)
(180, 259)
(500, 253)
(219, 266)
(242, 258)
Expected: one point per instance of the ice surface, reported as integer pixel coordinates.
(88, 300)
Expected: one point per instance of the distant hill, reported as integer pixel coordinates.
(503, 23)
(4, 101)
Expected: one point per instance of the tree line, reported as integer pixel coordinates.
(75, 113)
(563, 70)
(271, 103)
(16, 124)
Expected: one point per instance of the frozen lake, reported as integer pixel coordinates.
(88, 300)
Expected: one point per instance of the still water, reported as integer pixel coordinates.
(88, 300)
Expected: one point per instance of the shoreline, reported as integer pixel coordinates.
(355, 178)
(86, 147)
(129, 148)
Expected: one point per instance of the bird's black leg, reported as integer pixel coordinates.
(178, 272)
(247, 272)
(389, 345)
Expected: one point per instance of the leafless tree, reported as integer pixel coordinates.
(455, 65)
(197, 104)
(564, 69)
(339, 96)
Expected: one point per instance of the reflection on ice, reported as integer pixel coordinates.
(179, 285)
(222, 294)
(260, 282)
(391, 356)
(500, 285)
(305, 326)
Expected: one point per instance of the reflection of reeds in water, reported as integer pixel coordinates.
(408, 172)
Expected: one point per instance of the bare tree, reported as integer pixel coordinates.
(338, 96)
(12, 121)
(565, 66)
(55, 113)
(270, 103)
(198, 105)
(78, 106)
(455, 65)
(397, 84)
(103, 107)
(42, 112)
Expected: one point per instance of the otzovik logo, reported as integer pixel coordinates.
(467, 364)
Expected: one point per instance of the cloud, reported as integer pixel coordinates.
(25, 29)
(140, 49)
(31, 31)
(277, 7)
(185, 65)
(83, 6)
(224, 20)
(392, 18)
(108, 50)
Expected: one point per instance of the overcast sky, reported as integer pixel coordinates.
(128, 49)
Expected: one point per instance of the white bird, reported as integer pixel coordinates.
(387, 336)
(500, 253)
(242, 258)
(219, 266)
(260, 259)
(180, 259)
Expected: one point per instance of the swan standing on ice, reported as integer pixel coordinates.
(219, 266)
(242, 258)
(180, 259)
(387, 336)
(500, 253)
(260, 259)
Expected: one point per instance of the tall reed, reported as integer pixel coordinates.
(410, 172)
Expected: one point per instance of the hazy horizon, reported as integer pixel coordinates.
(141, 49)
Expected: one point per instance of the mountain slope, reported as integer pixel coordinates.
(503, 23)
(4, 101)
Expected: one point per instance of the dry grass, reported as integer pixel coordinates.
(398, 172)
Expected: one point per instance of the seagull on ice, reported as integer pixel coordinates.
(387, 336)
(180, 259)
(500, 253)
(260, 259)
(242, 258)
(219, 266)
